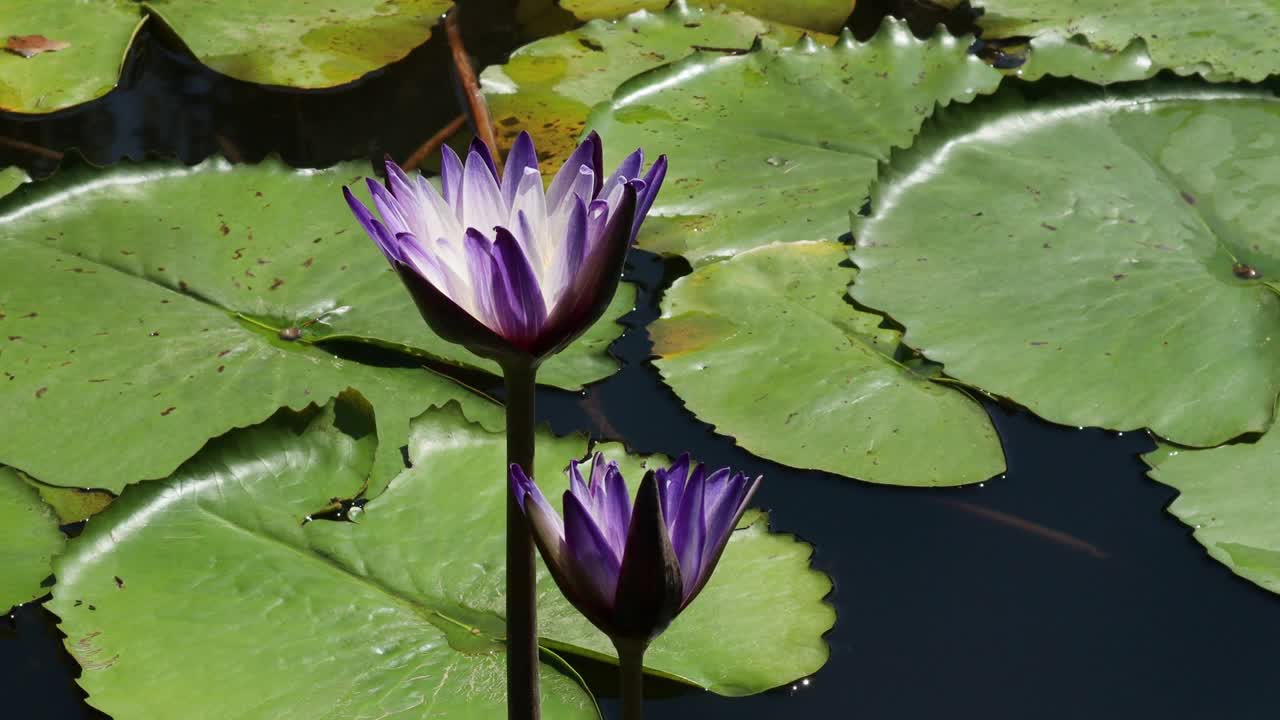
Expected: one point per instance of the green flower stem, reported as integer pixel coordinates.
(631, 675)
(522, 608)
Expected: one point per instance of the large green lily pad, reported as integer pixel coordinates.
(1230, 496)
(1219, 39)
(29, 539)
(378, 615)
(548, 87)
(776, 144)
(147, 302)
(765, 348)
(301, 44)
(1102, 259)
(824, 15)
(218, 558)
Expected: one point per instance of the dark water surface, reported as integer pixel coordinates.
(1060, 590)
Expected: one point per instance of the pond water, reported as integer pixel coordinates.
(1061, 589)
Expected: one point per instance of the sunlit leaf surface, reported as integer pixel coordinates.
(765, 348)
(1103, 259)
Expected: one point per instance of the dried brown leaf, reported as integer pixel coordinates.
(30, 45)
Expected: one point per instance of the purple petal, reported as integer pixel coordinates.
(518, 299)
(671, 485)
(589, 552)
(575, 246)
(480, 269)
(450, 177)
(526, 490)
(689, 529)
(383, 239)
(480, 205)
(577, 485)
(628, 169)
(387, 207)
(616, 506)
(520, 160)
(652, 184)
(422, 262)
(737, 496)
(478, 147)
(588, 155)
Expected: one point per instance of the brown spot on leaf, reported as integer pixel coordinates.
(168, 410)
(224, 353)
(221, 368)
(307, 263)
(222, 228)
(277, 282)
(119, 582)
(239, 252)
(40, 392)
(32, 45)
(1191, 199)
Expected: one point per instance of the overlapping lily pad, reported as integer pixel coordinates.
(824, 15)
(378, 617)
(1219, 39)
(29, 538)
(148, 302)
(302, 44)
(775, 145)
(1230, 495)
(765, 348)
(1103, 259)
(548, 87)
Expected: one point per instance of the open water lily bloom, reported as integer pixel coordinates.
(631, 569)
(500, 265)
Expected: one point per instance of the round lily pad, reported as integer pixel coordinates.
(1103, 259)
(765, 348)
(775, 144)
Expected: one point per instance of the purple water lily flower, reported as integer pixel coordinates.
(498, 264)
(631, 570)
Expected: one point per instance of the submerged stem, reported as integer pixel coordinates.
(631, 674)
(522, 620)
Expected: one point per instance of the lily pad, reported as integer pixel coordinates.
(149, 301)
(300, 45)
(1103, 259)
(1234, 39)
(1054, 54)
(376, 616)
(776, 144)
(824, 15)
(11, 178)
(218, 557)
(765, 348)
(29, 539)
(548, 87)
(99, 34)
(1230, 495)
(70, 504)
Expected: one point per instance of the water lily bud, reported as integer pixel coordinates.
(631, 569)
(500, 265)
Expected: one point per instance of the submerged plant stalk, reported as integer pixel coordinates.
(519, 376)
